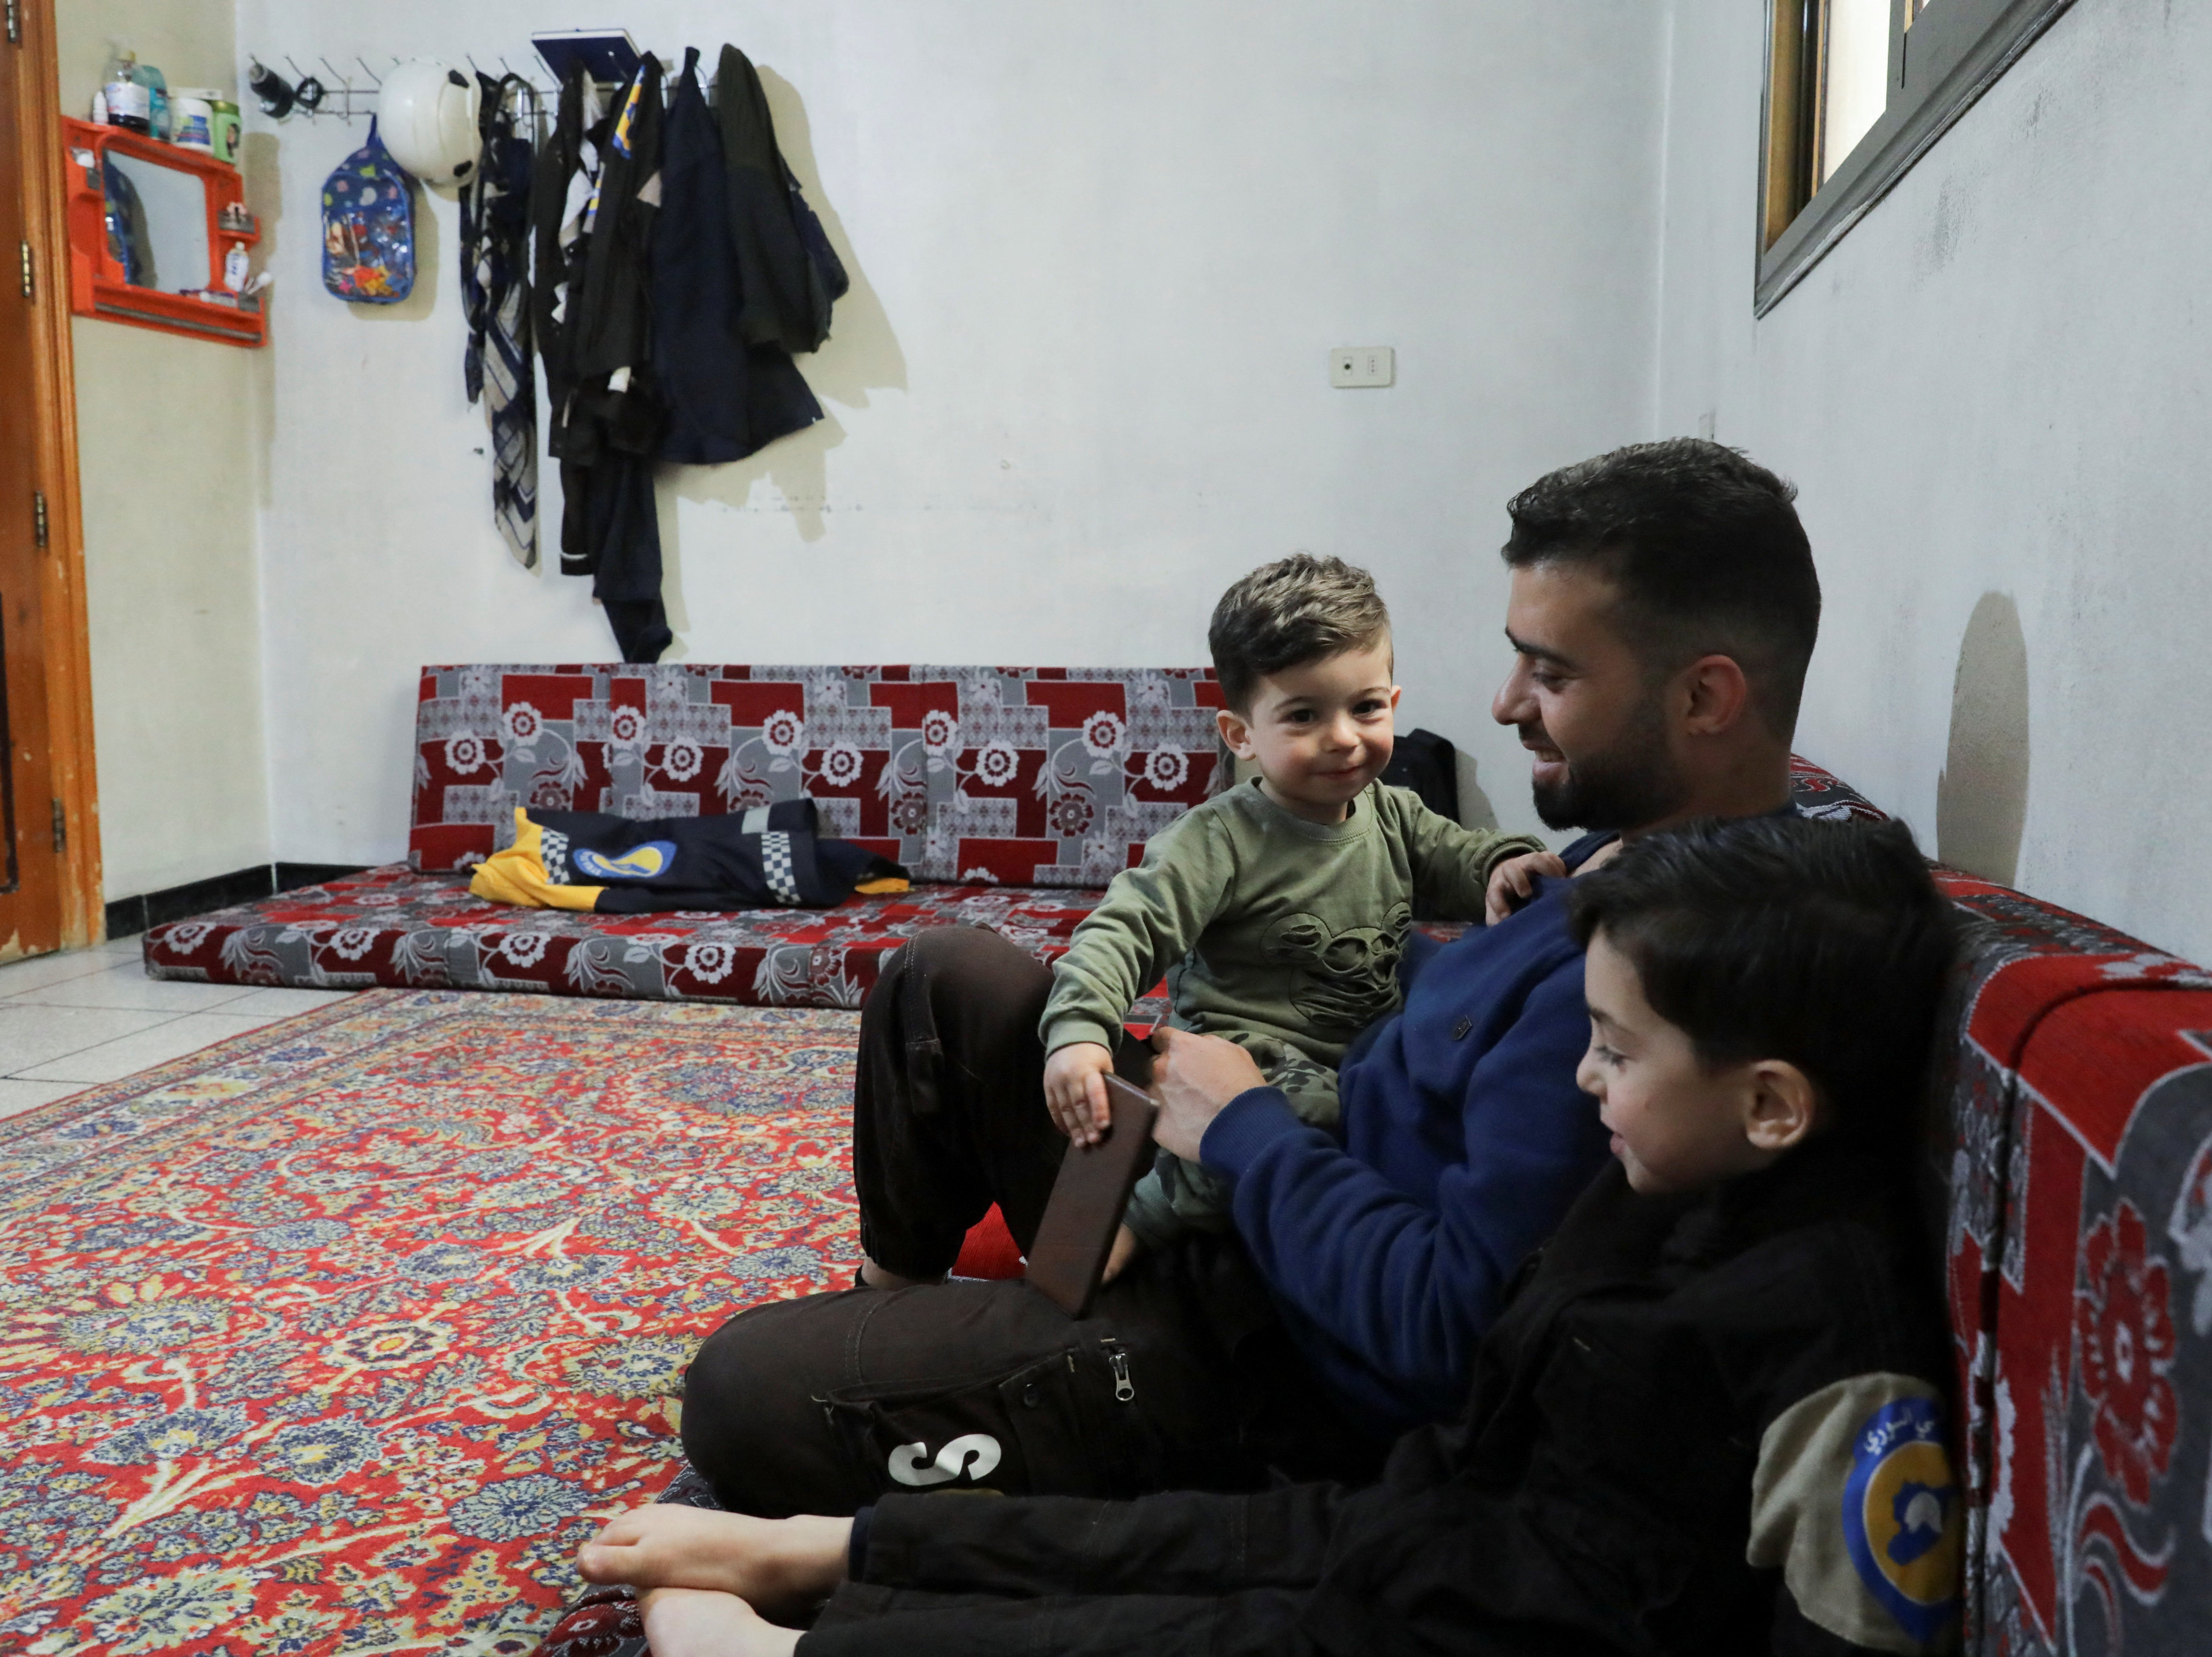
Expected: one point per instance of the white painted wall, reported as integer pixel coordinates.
(1993, 396)
(1100, 252)
(167, 466)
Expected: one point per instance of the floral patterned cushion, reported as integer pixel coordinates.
(1819, 794)
(2079, 1093)
(1024, 776)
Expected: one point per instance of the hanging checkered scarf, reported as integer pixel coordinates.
(496, 298)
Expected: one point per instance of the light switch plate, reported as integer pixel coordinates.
(1357, 366)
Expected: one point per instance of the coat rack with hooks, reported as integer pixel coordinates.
(338, 94)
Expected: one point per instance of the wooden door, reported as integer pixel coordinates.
(48, 888)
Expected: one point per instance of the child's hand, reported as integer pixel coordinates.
(1125, 1248)
(1512, 882)
(1075, 1091)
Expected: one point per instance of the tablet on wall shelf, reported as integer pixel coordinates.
(608, 54)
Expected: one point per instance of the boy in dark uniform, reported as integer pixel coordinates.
(1710, 1420)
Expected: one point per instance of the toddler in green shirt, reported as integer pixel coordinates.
(1277, 909)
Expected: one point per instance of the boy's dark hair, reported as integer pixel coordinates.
(1823, 943)
(1299, 609)
(1706, 551)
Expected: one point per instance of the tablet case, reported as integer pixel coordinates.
(1068, 1256)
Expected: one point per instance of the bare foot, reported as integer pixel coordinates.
(774, 1563)
(877, 1277)
(695, 1622)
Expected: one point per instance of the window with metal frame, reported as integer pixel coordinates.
(1856, 92)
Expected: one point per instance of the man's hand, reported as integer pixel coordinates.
(1075, 1091)
(1125, 1248)
(1512, 882)
(1193, 1078)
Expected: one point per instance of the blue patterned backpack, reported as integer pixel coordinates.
(368, 227)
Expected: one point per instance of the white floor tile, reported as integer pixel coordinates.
(34, 1035)
(16, 1097)
(128, 1055)
(41, 970)
(283, 1004)
(127, 986)
(132, 948)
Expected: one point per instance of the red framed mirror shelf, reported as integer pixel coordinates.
(174, 289)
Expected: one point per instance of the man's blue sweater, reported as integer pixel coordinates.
(1465, 1139)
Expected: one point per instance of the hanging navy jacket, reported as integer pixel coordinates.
(785, 295)
(724, 398)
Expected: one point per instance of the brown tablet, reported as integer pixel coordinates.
(1068, 1258)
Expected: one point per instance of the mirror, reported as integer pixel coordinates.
(157, 224)
(159, 237)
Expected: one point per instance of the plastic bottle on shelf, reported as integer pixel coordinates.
(226, 128)
(157, 96)
(129, 101)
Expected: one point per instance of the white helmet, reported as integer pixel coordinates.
(427, 117)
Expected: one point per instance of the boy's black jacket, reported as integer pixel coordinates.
(1673, 1423)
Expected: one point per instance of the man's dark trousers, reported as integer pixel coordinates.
(1180, 1377)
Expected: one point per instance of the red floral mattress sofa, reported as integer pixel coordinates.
(1013, 794)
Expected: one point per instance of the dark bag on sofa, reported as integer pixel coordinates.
(769, 856)
(1425, 763)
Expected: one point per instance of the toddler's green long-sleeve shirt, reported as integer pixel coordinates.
(1279, 933)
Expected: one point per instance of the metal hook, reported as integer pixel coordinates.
(373, 76)
(345, 90)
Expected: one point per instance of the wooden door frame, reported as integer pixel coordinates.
(66, 640)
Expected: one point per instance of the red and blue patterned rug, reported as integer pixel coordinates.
(341, 1335)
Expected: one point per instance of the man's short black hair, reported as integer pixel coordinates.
(1822, 943)
(1705, 549)
(1296, 610)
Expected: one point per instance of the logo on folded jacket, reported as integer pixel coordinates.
(974, 1454)
(1901, 1515)
(643, 862)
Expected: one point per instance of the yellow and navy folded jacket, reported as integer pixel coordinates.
(770, 856)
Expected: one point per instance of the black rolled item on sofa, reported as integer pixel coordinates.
(771, 854)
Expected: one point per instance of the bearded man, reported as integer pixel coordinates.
(1663, 609)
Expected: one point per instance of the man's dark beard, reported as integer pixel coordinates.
(1633, 782)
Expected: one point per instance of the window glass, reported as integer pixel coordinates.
(1854, 76)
